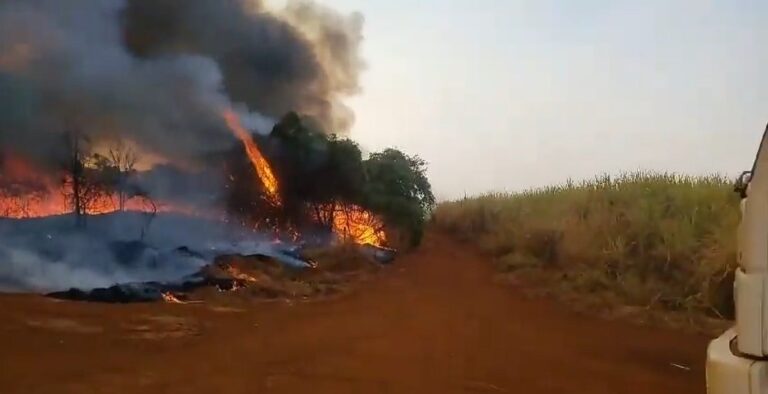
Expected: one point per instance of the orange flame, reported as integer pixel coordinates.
(28, 192)
(237, 274)
(171, 298)
(355, 224)
(260, 164)
(25, 191)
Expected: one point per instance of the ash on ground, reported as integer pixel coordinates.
(328, 271)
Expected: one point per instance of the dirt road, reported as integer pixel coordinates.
(434, 323)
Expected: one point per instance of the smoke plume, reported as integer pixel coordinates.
(159, 73)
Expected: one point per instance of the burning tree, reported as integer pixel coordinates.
(319, 177)
(297, 180)
(318, 171)
(326, 184)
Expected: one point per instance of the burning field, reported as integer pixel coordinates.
(143, 158)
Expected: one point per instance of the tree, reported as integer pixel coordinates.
(323, 179)
(398, 188)
(122, 160)
(150, 210)
(318, 173)
(114, 173)
(80, 189)
(89, 178)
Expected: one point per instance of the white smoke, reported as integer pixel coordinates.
(50, 254)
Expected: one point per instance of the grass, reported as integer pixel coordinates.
(653, 240)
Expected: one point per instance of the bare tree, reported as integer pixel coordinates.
(84, 187)
(122, 158)
(150, 210)
(324, 213)
(74, 168)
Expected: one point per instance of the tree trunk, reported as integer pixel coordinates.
(75, 169)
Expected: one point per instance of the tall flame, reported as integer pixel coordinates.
(260, 164)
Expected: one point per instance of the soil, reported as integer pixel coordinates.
(434, 322)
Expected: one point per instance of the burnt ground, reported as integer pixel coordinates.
(435, 322)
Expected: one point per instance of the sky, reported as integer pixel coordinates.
(510, 95)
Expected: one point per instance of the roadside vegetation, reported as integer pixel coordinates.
(653, 241)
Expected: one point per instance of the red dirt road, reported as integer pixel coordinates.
(433, 323)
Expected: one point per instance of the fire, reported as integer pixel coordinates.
(50, 201)
(29, 192)
(170, 298)
(355, 224)
(237, 274)
(260, 164)
(25, 192)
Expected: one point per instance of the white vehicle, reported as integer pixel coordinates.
(737, 361)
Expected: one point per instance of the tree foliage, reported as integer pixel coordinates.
(317, 170)
(398, 189)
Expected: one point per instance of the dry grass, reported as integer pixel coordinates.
(342, 258)
(660, 241)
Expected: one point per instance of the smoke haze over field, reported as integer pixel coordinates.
(159, 73)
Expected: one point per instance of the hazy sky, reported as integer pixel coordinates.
(508, 95)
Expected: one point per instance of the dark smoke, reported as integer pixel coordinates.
(159, 72)
(306, 59)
